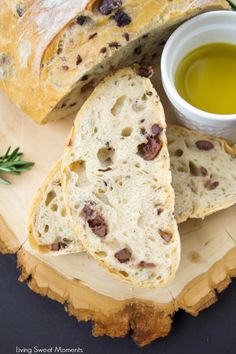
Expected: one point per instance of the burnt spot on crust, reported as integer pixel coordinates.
(3, 58)
(81, 20)
(138, 50)
(20, 10)
(78, 59)
(69, 142)
(121, 18)
(123, 255)
(103, 50)
(126, 36)
(60, 47)
(95, 221)
(85, 78)
(114, 45)
(107, 6)
(93, 35)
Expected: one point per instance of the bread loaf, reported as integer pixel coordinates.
(203, 173)
(117, 182)
(55, 52)
(49, 226)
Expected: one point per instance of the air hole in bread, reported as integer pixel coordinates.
(193, 187)
(105, 156)
(182, 168)
(125, 274)
(88, 87)
(179, 152)
(188, 143)
(194, 169)
(144, 97)
(170, 141)
(137, 165)
(159, 211)
(46, 228)
(63, 213)
(95, 130)
(126, 131)
(101, 254)
(51, 195)
(140, 221)
(102, 197)
(116, 109)
(79, 167)
(138, 106)
(54, 207)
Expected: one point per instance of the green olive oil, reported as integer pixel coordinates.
(206, 78)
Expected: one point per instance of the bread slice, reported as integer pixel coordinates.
(117, 181)
(49, 226)
(203, 171)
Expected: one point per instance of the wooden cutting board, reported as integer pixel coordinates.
(88, 291)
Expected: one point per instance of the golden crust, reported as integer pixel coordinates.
(33, 39)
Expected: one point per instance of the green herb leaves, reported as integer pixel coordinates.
(11, 163)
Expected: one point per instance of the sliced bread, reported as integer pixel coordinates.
(49, 226)
(117, 181)
(203, 173)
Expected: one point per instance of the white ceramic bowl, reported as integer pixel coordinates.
(216, 26)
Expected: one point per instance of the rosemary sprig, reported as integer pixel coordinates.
(12, 163)
(232, 4)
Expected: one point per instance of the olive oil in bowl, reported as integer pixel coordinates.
(206, 78)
